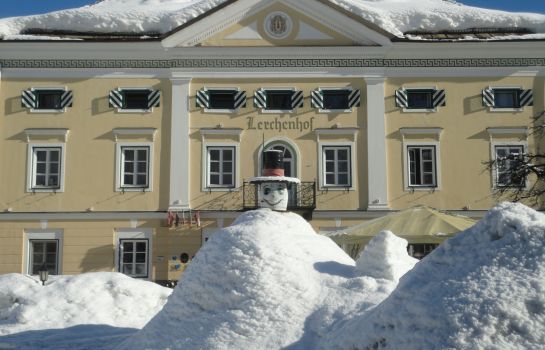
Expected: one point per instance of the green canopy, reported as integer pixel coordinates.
(420, 224)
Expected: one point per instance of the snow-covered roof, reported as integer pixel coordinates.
(145, 19)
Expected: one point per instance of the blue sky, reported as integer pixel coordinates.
(28, 7)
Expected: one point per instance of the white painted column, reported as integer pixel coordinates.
(179, 145)
(376, 145)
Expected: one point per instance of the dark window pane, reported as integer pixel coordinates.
(127, 246)
(428, 179)
(279, 99)
(214, 179)
(336, 99)
(127, 257)
(142, 180)
(142, 167)
(54, 168)
(214, 154)
(141, 246)
(127, 269)
(141, 257)
(54, 156)
(428, 167)
(426, 154)
(330, 179)
(40, 180)
(40, 168)
(329, 154)
(343, 166)
(49, 99)
(222, 99)
(343, 179)
(51, 259)
(129, 154)
(129, 167)
(227, 179)
(142, 155)
(52, 247)
(504, 98)
(227, 155)
(53, 180)
(214, 167)
(420, 99)
(329, 167)
(41, 156)
(228, 167)
(137, 99)
(128, 180)
(342, 154)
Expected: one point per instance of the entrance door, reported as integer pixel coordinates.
(289, 168)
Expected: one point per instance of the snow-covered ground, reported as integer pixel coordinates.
(161, 16)
(270, 282)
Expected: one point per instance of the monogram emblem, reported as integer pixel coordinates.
(278, 25)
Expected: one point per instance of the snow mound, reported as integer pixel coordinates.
(483, 289)
(266, 282)
(385, 256)
(161, 16)
(91, 298)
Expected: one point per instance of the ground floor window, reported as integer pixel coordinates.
(420, 250)
(134, 255)
(44, 253)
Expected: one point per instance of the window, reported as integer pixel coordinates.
(507, 159)
(134, 99)
(335, 99)
(43, 253)
(47, 99)
(135, 167)
(422, 169)
(278, 99)
(226, 100)
(46, 168)
(420, 250)
(221, 167)
(336, 166)
(134, 257)
(507, 98)
(425, 99)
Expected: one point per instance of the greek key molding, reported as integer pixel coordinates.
(227, 63)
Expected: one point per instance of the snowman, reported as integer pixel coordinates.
(272, 187)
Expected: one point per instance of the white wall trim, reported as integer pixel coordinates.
(220, 131)
(134, 132)
(377, 165)
(179, 145)
(31, 234)
(31, 133)
(134, 233)
(522, 131)
(436, 132)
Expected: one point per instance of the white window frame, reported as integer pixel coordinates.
(42, 234)
(39, 110)
(348, 88)
(419, 110)
(205, 162)
(264, 110)
(321, 166)
(119, 166)
(31, 169)
(499, 110)
(135, 110)
(134, 234)
(494, 172)
(406, 175)
(219, 110)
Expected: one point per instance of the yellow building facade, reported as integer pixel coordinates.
(124, 155)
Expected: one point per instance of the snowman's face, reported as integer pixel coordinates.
(273, 195)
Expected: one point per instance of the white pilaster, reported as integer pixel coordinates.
(179, 145)
(376, 145)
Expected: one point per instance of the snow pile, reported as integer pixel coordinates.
(483, 289)
(92, 298)
(266, 282)
(385, 256)
(161, 16)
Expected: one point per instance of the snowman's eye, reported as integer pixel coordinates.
(266, 191)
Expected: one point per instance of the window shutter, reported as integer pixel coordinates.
(354, 98)
(203, 99)
(66, 99)
(488, 97)
(154, 98)
(28, 99)
(317, 99)
(116, 99)
(260, 99)
(439, 98)
(240, 99)
(297, 99)
(401, 98)
(526, 98)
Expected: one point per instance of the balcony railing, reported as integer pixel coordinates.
(302, 196)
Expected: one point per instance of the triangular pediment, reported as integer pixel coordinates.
(247, 23)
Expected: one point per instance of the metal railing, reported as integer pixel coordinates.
(302, 196)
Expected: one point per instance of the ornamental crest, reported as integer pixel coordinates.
(278, 25)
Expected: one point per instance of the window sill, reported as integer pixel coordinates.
(123, 110)
(336, 188)
(349, 110)
(419, 110)
(511, 110)
(220, 189)
(212, 110)
(422, 188)
(44, 190)
(133, 189)
(276, 111)
(56, 111)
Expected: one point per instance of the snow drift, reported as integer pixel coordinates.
(93, 298)
(266, 282)
(161, 16)
(483, 289)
